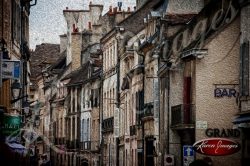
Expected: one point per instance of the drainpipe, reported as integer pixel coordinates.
(117, 93)
(117, 102)
(143, 87)
(168, 109)
(2, 17)
(101, 116)
(100, 127)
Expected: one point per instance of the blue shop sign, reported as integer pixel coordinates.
(11, 69)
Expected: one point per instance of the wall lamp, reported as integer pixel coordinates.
(16, 92)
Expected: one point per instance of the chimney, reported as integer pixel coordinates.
(115, 10)
(128, 9)
(63, 43)
(90, 26)
(76, 47)
(67, 8)
(134, 8)
(90, 2)
(75, 29)
(110, 10)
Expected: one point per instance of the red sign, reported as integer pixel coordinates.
(216, 146)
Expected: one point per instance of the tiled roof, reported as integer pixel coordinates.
(135, 22)
(44, 54)
(179, 18)
(80, 75)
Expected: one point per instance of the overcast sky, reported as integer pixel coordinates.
(47, 21)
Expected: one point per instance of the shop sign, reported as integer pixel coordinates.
(222, 133)
(225, 92)
(10, 125)
(216, 147)
(206, 23)
(11, 69)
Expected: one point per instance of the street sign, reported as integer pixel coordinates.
(188, 154)
(11, 69)
(188, 150)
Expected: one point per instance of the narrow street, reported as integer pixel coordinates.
(124, 83)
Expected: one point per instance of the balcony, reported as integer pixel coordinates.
(148, 112)
(108, 124)
(90, 146)
(85, 145)
(183, 116)
(72, 144)
(132, 130)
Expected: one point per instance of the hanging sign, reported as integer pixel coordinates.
(11, 69)
(216, 147)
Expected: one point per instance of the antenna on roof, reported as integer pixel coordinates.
(120, 6)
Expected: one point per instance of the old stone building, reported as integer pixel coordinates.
(14, 53)
(143, 87)
(42, 89)
(193, 76)
(14, 39)
(85, 28)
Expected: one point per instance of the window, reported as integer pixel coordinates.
(104, 60)
(16, 17)
(105, 104)
(73, 128)
(78, 99)
(244, 69)
(107, 59)
(82, 131)
(113, 97)
(88, 134)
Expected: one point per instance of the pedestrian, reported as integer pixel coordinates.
(45, 161)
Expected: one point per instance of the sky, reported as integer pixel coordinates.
(47, 21)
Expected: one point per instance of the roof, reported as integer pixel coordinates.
(179, 18)
(60, 63)
(80, 75)
(43, 55)
(135, 22)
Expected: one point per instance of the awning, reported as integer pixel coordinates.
(242, 119)
(19, 148)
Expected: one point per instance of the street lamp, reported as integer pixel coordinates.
(26, 107)
(37, 121)
(16, 90)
